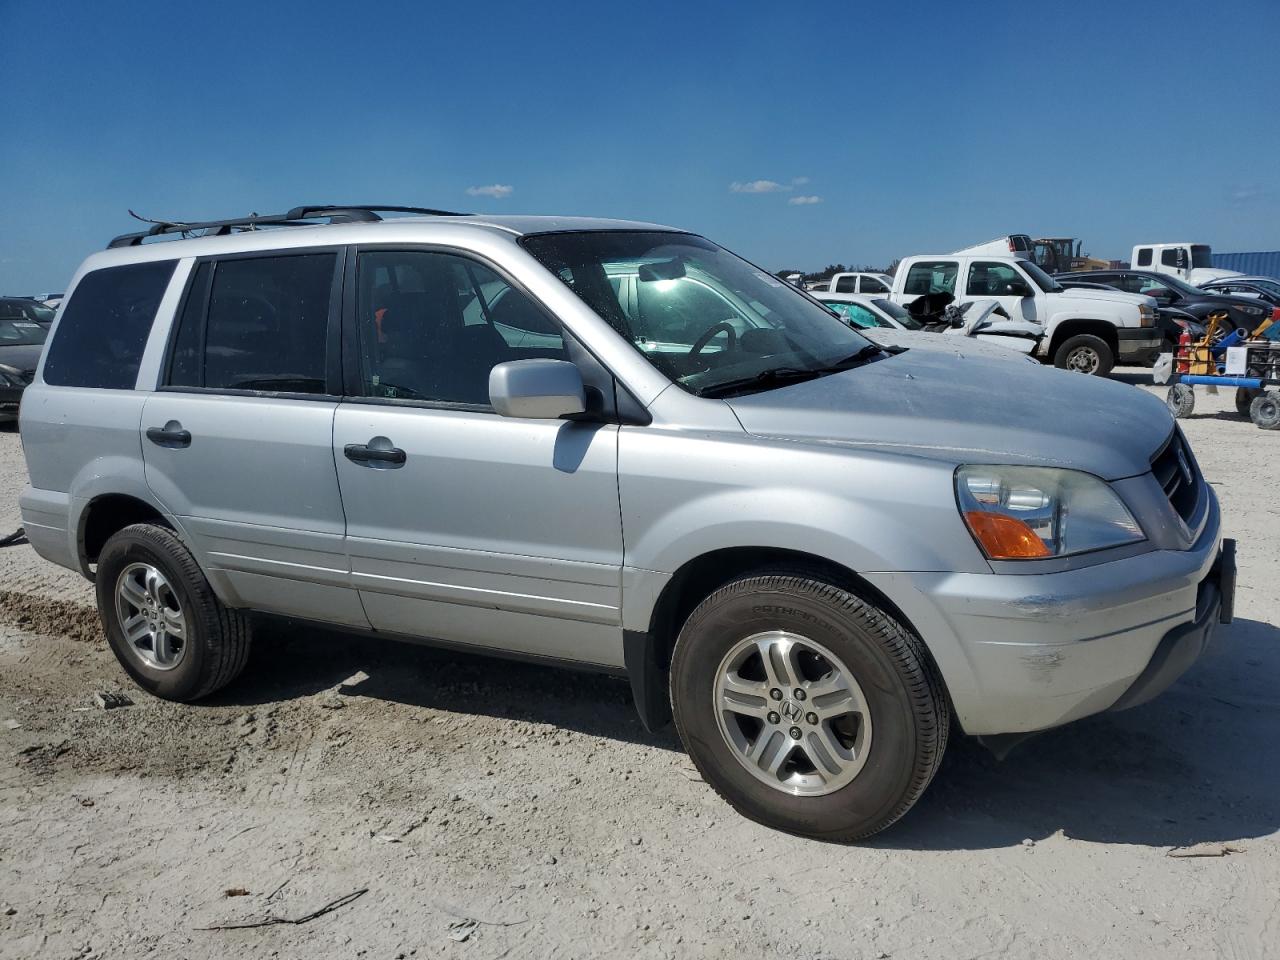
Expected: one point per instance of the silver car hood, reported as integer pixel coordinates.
(968, 410)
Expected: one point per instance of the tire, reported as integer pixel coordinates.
(212, 645)
(1245, 395)
(1085, 353)
(1181, 400)
(1265, 410)
(896, 736)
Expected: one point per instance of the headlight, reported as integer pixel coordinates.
(1026, 513)
(1146, 315)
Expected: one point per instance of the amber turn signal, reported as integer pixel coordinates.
(1004, 538)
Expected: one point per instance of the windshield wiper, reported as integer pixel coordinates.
(763, 379)
(866, 353)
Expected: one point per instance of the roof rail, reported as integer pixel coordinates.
(297, 217)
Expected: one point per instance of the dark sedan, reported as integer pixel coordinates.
(1171, 321)
(1256, 288)
(23, 308)
(1167, 291)
(20, 344)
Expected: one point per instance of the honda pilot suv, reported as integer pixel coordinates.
(617, 446)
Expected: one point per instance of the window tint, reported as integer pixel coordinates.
(265, 327)
(872, 285)
(432, 326)
(847, 285)
(992, 280)
(937, 276)
(1144, 257)
(184, 368)
(105, 325)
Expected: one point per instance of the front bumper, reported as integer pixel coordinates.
(1138, 344)
(1025, 652)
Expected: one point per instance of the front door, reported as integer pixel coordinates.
(463, 525)
(1003, 282)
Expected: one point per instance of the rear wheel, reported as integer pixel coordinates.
(806, 708)
(1246, 395)
(1085, 353)
(1265, 410)
(165, 625)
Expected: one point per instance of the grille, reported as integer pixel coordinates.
(1176, 471)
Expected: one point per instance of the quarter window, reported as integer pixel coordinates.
(265, 327)
(432, 326)
(105, 325)
(926, 277)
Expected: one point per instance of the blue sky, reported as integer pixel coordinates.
(920, 126)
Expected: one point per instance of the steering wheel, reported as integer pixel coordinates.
(710, 333)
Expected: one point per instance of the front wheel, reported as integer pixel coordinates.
(1265, 410)
(1085, 353)
(807, 708)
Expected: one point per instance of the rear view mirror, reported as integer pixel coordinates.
(672, 269)
(537, 389)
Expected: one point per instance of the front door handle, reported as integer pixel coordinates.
(170, 435)
(367, 455)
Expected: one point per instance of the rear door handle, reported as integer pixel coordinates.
(170, 435)
(366, 455)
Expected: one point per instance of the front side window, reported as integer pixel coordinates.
(873, 285)
(265, 326)
(432, 325)
(899, 313)
(1169, 258)
(1201, 255)
(105, 326)
(1144, 257)
(727, 321)
(925, 277)
(992, 280)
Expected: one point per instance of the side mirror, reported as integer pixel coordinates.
(1019, 288)
(537, 389)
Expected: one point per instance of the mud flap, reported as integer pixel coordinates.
(648, 673)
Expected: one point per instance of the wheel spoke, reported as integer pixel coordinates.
(135, 628)
(769, 750)
(133, 593)
(825, 752)
(173, 623)
(162, 648)
(779, 663)
(747, 697)
(154, 584)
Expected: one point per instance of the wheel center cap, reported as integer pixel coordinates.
(791, 711)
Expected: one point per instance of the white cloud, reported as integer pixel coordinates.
(757, 186)
(495, 191)
(802, 200)
(799, 181)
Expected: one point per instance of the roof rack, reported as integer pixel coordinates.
(297, 217)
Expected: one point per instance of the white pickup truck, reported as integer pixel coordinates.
(870, 284)
(1192, 262)
(1085, 330)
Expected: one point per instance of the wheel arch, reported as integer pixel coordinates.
(108, 513)
(647, 653)
(1074, 326)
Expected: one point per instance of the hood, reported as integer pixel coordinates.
(1110, 296)
(954, 344)
(23, 356)
(969, 409)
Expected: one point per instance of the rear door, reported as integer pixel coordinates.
(463, 525)
(238, 439)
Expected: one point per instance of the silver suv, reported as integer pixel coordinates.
(620, 446)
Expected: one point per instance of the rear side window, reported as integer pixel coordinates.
(104, 326)
(847, 285)
(937, 276)
(1144, 257)
(258, 323)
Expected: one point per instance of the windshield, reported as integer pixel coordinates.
(1042, 279)
(1270, 286)
(899, 313)
(703, 316)
(25, 310)
(14, 332)
(1175, 283)
(1201, 255)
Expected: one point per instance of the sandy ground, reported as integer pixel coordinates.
(492, 809)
